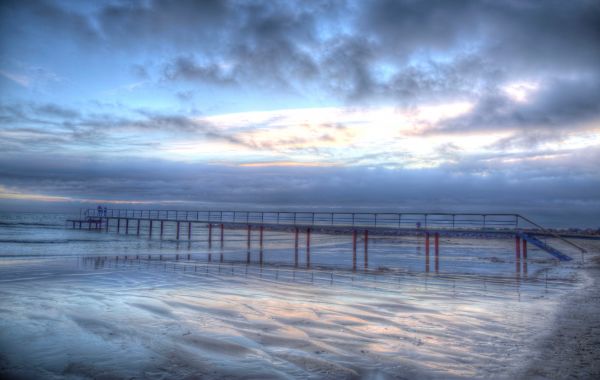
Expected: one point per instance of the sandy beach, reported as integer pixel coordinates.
(83, 304)
(571, 350)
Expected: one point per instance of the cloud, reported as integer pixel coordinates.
(53, 127)
(561, 104)
(535, 189)
(19, 79)
(384, 67)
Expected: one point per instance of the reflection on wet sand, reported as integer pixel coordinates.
(240, 320)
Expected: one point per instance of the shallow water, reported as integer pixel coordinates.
(72, 305)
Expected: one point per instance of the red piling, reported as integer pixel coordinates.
(354, 249)
(261, 245)
(261, 236)
(437, 252)
(249, 231)
(248, 244)
(296, 247)
(308, 247)
(518, 253)
(524, 256)
(366, 249)
(427, 252)
(222, 234)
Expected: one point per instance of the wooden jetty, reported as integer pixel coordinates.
(430, 225)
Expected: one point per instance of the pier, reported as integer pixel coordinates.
(180, 225)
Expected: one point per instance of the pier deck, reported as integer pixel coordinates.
(433, 225)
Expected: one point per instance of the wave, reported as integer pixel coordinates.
(56, 241)
(28, 224)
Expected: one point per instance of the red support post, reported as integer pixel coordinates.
(524, 256)
(248, 244)
(366, 249)
(427, 252)
(249, 231)
(209, 235)
(296, 246)
(308, 247)
(518, 253)
(261, 236)
(354, 234)
(222, 234)
(437, 251)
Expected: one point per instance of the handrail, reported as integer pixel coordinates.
(332, 218)
(554, 234)
(482, 221)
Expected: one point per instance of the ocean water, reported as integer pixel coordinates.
(97, 304)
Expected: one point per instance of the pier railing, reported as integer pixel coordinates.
(341, 219)
(465, 222)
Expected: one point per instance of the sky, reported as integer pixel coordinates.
(486, 106)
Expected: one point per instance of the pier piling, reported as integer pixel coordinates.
(427, 252)
(366, 249)
(354, 234)
(209, 235)
(437, 251)
(222, 234)
(308, 247)
(518, 253)
(296, 232)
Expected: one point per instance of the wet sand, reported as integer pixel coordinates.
(165, 320)
(480, 317)
(572, 348)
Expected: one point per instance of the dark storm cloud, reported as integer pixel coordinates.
(187, 69)
(155, 180)
(429, 48)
